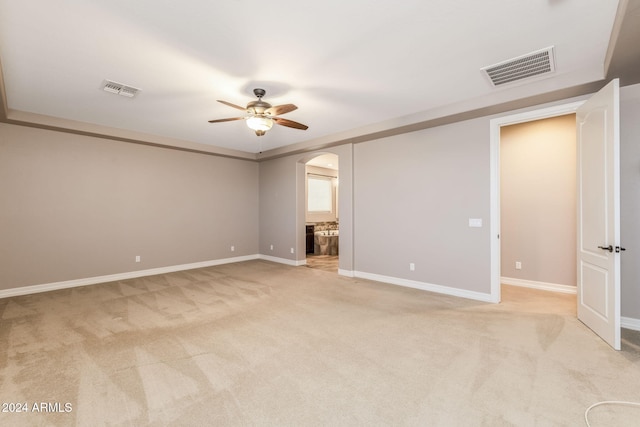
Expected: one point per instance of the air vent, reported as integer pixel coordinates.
(522, 67)
(119, 89)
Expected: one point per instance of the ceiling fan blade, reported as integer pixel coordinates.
(226, 120)
(232, 105)
(280, 109)
(290, 123)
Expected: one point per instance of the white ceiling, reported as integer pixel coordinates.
(347, 65)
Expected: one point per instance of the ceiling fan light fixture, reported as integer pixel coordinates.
(260, 123)
(261, 115)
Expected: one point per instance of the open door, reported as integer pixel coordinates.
(598, 234)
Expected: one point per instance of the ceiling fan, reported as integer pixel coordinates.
(261, 115)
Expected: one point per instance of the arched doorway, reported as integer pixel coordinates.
(322, 212)
(345, 206)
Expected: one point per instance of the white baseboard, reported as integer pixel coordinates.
(292, 262)
(478, 296)
(26, 290)
(630, 323)
(544, 286)
(347, 273)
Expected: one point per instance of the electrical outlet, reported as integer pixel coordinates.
(412, 266)
(292, 250)
(518, 265)
(271, 247)
(137, 258)
(233, 248)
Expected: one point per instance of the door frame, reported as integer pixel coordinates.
(494, 194)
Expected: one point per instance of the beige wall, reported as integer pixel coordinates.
(278, 215)
(538, 200)
(414, 195)
(76, 207)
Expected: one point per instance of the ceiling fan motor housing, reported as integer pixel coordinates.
(257, 107)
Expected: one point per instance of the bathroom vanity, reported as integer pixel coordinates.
(326, 242)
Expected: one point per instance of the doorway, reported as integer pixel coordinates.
(598, 208)
(495, 224)
(322, 212)
(538, 204)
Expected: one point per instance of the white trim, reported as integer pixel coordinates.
(543, 286)
(347, 273)
(494, 215)
(630, 323)
(494, 173)
(425, 286)
(26, 290)
(292, 262)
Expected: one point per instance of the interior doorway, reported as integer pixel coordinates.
(322, 212)
(495, 224)
(537, 206)
(538, 193)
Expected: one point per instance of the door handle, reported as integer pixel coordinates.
(606, 248)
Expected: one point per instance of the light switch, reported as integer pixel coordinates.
(475, 222)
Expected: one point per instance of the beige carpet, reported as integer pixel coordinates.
(263, 344)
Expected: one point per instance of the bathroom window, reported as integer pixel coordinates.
(320, 196)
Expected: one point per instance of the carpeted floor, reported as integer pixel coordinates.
(258, 343)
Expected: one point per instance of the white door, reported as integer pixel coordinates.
(599, 213)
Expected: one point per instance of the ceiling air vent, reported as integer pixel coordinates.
(522, 67)
(119, 89)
